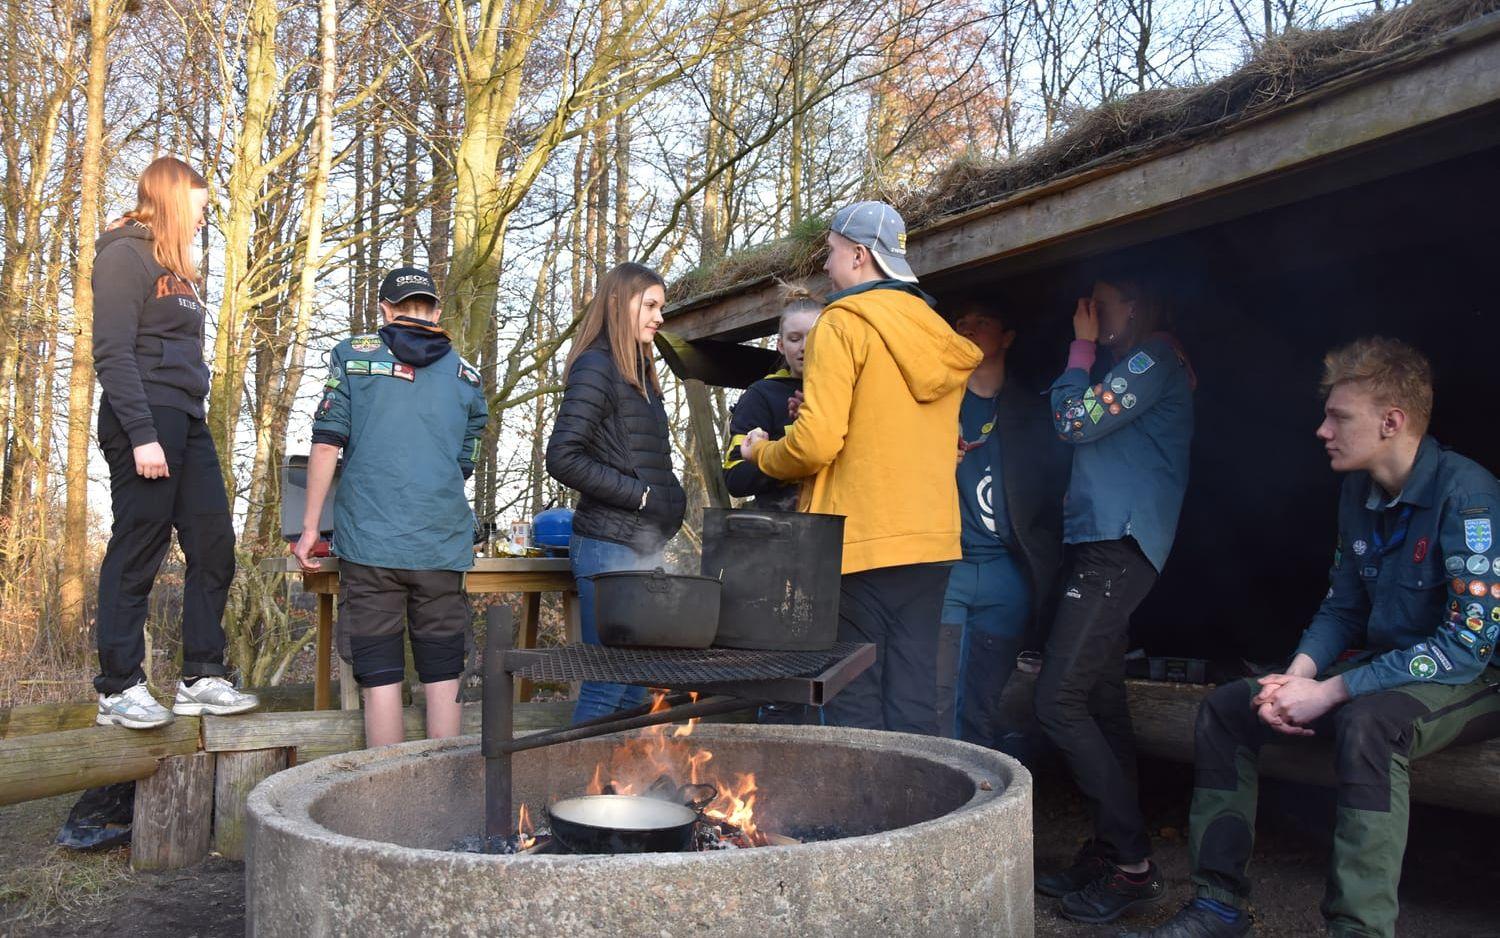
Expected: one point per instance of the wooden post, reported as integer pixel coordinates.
(321, 696)
(234, 775)
(706, 442)
(173, 814)
(349, 698)
(531, 616)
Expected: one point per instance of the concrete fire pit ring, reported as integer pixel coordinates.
(356, 843)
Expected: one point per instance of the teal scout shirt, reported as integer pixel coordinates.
(1414, 578)
(411, 435)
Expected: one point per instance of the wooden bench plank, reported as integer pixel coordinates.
(33, 719)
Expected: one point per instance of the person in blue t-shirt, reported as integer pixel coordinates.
(1011, 476)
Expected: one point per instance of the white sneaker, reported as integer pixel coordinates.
(212, 695)
(134, 708)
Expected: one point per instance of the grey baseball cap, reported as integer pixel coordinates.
(881, 229)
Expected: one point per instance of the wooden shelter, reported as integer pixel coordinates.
(1354, 191)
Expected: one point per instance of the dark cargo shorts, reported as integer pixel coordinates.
(379, 606)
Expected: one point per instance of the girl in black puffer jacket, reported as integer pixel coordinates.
(611, 444)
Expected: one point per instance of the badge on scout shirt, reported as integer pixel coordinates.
(1140, 363)
(382, 368)
(1119, 385)
(356, 367)
(1479, 536)
(365, 343)
(1423, 667)
(403, 370)
(468, 373)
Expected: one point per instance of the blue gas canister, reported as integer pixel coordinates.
(552, 528)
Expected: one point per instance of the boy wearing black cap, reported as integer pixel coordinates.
(407, 411)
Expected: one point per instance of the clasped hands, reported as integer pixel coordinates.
(1289, 703)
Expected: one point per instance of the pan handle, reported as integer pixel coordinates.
(741, 522)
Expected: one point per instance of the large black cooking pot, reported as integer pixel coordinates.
(621, 824)
(656, 609)
(781, 577)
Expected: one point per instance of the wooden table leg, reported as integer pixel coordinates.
(321, 690)
(574, 628)
(531, 617)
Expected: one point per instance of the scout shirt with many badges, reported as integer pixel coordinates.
(410, 436)
(1414, 578)
(1131, 432)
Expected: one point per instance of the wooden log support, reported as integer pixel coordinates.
(235, 773)
(173, 814)
(321, 694)
(48, 764)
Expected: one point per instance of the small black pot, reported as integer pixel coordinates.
(621, 824)
(656, 609)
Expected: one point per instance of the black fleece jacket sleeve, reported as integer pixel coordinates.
(571, 455)
(121, 286)
(742, 477)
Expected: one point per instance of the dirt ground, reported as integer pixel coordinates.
(1448, 887)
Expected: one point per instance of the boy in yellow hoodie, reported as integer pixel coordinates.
(875, 440)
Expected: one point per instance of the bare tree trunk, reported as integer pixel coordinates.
(104, 16)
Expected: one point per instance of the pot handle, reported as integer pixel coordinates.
(659, 581)
(756, 525)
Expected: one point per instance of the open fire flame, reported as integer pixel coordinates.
(525, 831)
(637, 766)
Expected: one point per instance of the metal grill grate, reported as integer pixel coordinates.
(668, 667)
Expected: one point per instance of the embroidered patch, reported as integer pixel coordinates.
(326, 406)
(469, 373)
(1140, 363)
(1095, 410)
(1118, 385)
(1442, 659)
(356, 367)
(331, 383)
(365, 343)
(1073, 593)
(1419, 553)
(1115, 409)
(1127, 401)
(1474, 624)
(1483, 651)
(1422, 667)
(1492, 632)
(1478, 564)
(1474, 610)
(1479, 536)
(1360, 547)
(1454, 564)
(1495, 591)
(382, 368)
(1107, 397)
(1476, 511)
(1468, 638)
(1478, 587)
(1459, 586)
(403, 370)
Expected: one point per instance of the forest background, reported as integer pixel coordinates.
(518, 149)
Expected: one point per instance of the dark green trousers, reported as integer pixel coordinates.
(1374, 738)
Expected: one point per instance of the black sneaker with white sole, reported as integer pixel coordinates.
(1114, 894)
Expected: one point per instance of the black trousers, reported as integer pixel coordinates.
(1080, 694)
(897, 609)
(192, 500)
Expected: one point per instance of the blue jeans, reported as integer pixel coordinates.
(587, 557)
(985, 613)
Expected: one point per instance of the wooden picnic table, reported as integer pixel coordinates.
(529, 576)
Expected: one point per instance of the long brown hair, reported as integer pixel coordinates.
(612, 312)
(163, 204)
(1152, 313)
